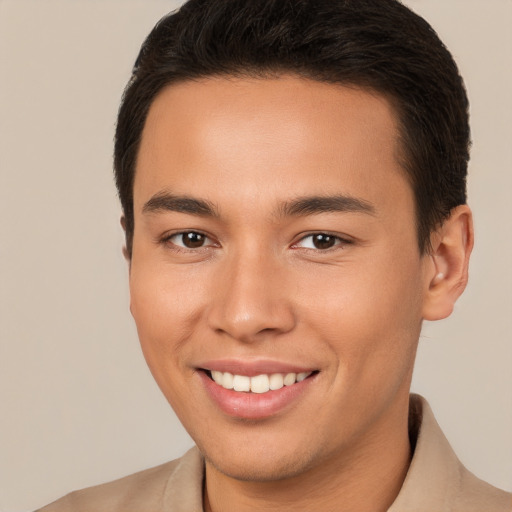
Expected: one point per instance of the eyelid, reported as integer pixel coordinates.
(341, 241)
(166, 239)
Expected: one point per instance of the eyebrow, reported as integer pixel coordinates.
(164, 201)
(302, 206)
(325, 204)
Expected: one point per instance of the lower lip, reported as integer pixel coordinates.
(255, 405)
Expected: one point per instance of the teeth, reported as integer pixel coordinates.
(289, 379)
(227, 380)
(217, 376)
(276, 381)
(258, 384)
(241, 383)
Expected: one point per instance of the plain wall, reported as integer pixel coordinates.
(78, 405)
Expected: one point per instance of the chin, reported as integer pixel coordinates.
(259, 465)
(262, 472)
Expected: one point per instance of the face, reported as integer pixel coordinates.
(275, 251)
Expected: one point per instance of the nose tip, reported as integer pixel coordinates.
(250, 324)
(251, 303)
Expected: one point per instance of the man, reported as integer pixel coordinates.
(292, 177)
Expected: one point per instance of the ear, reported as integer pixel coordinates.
(125, 250)
(447, 273)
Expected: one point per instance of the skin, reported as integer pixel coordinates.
(258, 287)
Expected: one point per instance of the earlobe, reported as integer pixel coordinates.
(448, 272)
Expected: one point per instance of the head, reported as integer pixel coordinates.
(292, 176)
(378, 45)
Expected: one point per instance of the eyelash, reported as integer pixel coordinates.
(340, 242)
(167, 240)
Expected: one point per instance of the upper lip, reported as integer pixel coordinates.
(253, 367)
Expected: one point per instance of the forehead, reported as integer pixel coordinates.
(294, 135)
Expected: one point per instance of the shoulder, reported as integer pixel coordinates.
(143, 491)
(476, 495)
(436, 479)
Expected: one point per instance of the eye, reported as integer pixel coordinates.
(320, 241)
(189, 240)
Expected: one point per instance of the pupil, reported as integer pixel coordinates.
(322, 241)
(193, 240)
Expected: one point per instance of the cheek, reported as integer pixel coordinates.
(364, 298)
(368, 314)
(165, 312)
(161, 297)
(166, 307)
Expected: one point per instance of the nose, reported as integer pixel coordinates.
(251, 300)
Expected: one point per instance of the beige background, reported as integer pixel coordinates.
(78, 405)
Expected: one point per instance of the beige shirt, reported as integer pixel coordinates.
(436, 481)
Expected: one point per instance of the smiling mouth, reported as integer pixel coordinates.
(259, 384)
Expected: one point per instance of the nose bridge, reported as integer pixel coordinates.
(251, 296)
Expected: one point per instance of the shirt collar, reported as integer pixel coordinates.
(432, 479)
(434, 475)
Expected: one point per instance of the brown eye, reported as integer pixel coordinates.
(189, 240)
(192, 240)
(323, 241)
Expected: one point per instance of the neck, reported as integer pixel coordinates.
(368, 477)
